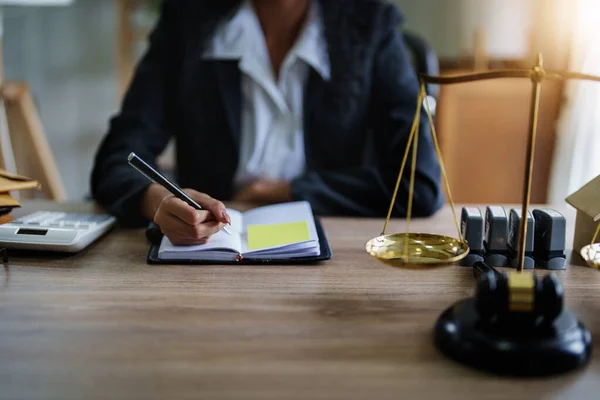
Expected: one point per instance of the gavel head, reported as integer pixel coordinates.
(519, 295)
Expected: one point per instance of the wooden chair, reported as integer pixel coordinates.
(483, 130)
(24, 148)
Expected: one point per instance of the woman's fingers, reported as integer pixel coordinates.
(171, 223)
(179, 234)
(216, 208)
(182, 241)
(183, 211)
(184, 225)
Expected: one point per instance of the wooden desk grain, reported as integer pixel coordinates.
(104, 325)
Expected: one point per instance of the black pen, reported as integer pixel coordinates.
(156, 177)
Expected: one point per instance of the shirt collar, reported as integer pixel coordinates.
(311, 46)
(231, 37)
(241, 38)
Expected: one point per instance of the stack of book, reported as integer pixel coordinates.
(10, 183)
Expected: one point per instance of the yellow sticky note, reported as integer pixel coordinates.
(271, 235)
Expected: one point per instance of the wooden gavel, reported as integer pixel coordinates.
(522, 295)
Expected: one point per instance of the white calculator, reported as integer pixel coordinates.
(55, 231)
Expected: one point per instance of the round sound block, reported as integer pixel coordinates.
(516, 347)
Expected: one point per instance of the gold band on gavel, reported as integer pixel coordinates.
(521, 292)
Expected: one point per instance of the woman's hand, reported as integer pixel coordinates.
(265, 191)
(179, 221)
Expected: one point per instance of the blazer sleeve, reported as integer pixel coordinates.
(367, 190)
(141, 126)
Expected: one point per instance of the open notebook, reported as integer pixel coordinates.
(275, 232)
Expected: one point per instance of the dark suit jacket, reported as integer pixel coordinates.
(356, 125)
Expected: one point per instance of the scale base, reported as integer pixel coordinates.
(512, 348)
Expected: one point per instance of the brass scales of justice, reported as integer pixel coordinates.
(516, 323)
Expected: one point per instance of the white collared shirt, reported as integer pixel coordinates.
(272, 134)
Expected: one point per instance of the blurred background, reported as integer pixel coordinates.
(77, 58)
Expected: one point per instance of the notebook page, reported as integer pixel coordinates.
(220, 240)
(283, 213)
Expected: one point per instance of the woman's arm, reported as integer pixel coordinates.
(367, 190)
(141, 126)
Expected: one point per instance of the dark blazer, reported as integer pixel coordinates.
(356, 125)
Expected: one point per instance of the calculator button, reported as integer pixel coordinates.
(71, 217)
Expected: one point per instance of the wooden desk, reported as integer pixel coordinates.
(102, 324)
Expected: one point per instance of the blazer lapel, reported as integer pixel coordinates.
(226, 71)
(229, 80)
(313, 100)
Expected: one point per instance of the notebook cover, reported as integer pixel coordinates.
(155, 236)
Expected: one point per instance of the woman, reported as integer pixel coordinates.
(269, 101)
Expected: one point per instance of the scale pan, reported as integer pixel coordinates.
(424, 250)
(591, 255)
